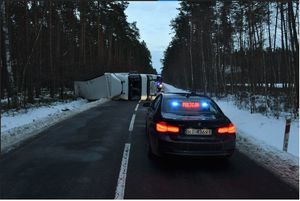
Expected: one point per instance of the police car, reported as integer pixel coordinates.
(188, 124)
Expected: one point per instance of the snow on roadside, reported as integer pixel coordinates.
(11, 120)
(267, 129)
(261, 139)
(19, 126)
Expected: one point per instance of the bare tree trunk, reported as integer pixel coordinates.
(39, 72)
(203, 65)
(191, 54)
(269, 29)
(265, 81)
(295, 51)
(215, 70)
(59, 73)
(52, 85)
(274, 48)
(292, 25)
(8, 62)
(30, 99)
(185, 75)
(1, 67)
(110, 52)
(100, 40)
(283, 45)
(276, 22)
(82, 9)
(231, 64)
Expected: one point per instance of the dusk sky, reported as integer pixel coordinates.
(153, 20)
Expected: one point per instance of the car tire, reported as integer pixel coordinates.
(151, 155)
(225, 159)
(146, 128)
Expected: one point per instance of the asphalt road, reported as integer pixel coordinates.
(96, 155)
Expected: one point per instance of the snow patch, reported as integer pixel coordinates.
(12, 119)
(267, 129)
(17, 127)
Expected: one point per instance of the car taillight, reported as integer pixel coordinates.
(230, 129)
(163, 127)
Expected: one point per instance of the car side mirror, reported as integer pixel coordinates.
(147, 104)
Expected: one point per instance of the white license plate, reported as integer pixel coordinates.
(192, 131)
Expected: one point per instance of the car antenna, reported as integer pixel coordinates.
(191, 93)
(187, 95)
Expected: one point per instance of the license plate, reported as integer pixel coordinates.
(192, 131)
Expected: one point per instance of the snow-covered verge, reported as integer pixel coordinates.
(13, 118)
(267, 129)
(261, 139)
(17, 127)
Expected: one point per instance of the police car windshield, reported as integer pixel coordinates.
(189, 106)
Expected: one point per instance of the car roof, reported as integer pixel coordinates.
(189, 94)
(186, 94)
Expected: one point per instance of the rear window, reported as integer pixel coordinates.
(189, 106)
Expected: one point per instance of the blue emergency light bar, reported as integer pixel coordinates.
(177, 104)
(204, 104)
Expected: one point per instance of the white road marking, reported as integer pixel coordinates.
(131, 123)
(119, 194)
(136, 107)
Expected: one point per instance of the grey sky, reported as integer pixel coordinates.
(153, 19)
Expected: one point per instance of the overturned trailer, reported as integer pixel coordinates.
(124, 86)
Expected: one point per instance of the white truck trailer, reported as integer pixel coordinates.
(126, 86)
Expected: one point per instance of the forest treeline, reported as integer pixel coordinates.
(46, 45)
(249, 49)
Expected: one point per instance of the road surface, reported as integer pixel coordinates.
(101, 153)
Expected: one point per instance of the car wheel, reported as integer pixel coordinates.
(146, 128)
(149, 150)
(225, 159)
(151, 155)
(229, 155)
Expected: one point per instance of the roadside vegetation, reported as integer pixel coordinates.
(249, 49)
(46, 45)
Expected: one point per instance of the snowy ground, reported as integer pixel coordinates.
(266, 129)
(13, 119)
(19, 126)
(261, 138)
